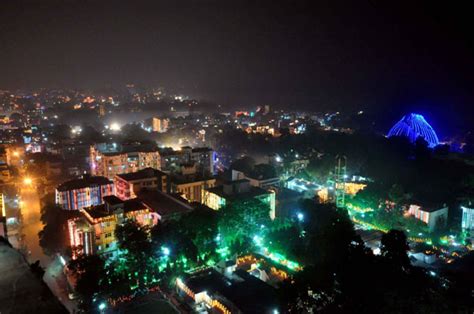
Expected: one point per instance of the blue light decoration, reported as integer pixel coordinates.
(412, 126)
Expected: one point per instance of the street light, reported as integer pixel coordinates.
(166, 251)
(102, 306)
(27, 181)
(300, 216)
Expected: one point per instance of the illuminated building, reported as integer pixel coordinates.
(111, 160)
(241, 113)
(191, 187)
(79, 193)
(127, 185)
(2, 205)
(432, 217)
(5, 174)
(220, 196)
(203, 157)
(259, 181)
(94, 231)
(101, 110)
(159, 124)
(467, 222)
(413, 126)
(239, 292)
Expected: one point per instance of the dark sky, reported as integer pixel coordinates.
(316, 54)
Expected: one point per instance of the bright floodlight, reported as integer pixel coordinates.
(102, 306)
(115, 127)
(165, 250)
(16, 154)
(27, 181)
(300, 216)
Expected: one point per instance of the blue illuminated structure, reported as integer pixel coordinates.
(412, 126)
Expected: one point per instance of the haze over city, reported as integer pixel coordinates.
(236, 157)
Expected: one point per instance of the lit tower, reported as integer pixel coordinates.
(340, 180)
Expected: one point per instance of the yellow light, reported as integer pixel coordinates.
(115, 127)
(27, 181)
(16, 154)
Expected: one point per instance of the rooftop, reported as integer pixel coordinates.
(84, 182)
(251, 193)
(429, 206)
(164, 204)
(101, 210)
(167, 151)
(182, 179)
(246, 292)
(142, 174)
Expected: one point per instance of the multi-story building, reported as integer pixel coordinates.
(127, 185)
(110, 160)
(191, 187)
(94, 231)
(229, 292)
(87, 191)
(467, 222)
(221, 196)
(203, 157)
(159, 124)
(434, 217)
(263, 182)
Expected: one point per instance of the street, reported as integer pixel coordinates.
(31, 214)
(32, 225)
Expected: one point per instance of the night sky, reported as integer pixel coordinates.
(313, 54)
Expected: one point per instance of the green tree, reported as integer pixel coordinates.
(90, 275)
(243, 218)
(133, 238)
(54, 237)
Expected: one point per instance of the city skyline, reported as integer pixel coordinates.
(308, 54)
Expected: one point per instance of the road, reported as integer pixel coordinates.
(31, 214)
(54, 277)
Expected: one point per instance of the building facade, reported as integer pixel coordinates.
(94, 231)
(221, 196)
(203, 157)
(85, 192)
(434, 218)
(128, 185)
(467, 222)
(159, 124)
(111, 163)
(192, 188)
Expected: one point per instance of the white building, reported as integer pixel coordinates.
(430, 216)
(467, 222)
